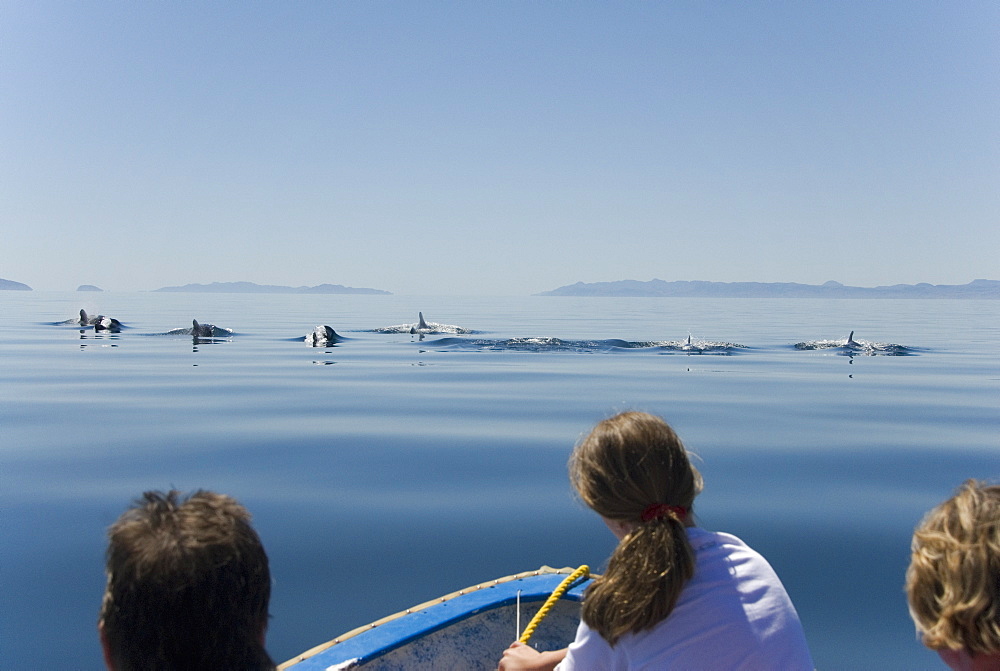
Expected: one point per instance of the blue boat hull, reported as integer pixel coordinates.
(467, 630)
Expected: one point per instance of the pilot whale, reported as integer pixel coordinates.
(202, 331)
(100, 322)
(322, 336)
(421, 325)
(109, 324)
(688, 346)
(208, 330)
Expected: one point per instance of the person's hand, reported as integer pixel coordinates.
(522, 657)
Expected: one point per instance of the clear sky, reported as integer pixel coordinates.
(498, 148)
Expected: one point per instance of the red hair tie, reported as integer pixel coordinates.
(655, 511)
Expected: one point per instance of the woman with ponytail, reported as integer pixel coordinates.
(674, 596)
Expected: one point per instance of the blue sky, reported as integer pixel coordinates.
(498, 148)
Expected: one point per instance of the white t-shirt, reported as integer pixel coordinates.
(734, 613)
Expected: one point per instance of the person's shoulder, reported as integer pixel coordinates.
(704, 539)
(724, 551)
(727, 538)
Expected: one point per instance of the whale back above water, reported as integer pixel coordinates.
(201, 329)
(100, 322)
(109, 324)
(851, 347)
(322, 336)
(421, 326)
(208, 330)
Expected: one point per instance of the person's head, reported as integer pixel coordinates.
(634, 472)
(953, 581)
(188, 586)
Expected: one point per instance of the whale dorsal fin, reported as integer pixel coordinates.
(421, 324)
(850, 339)
(688, 341)
(83, 316)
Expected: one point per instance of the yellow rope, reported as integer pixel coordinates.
(581, 572)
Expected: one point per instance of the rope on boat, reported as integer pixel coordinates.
(582, 572)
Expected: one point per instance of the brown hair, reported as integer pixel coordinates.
(953, 581)
(624, 465)
(188, 586)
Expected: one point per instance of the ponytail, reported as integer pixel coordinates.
(643, 580)
(633, 468)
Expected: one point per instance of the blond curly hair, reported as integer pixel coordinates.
(953, 581)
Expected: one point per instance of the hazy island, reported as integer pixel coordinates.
(251, 288)
(697, 289)
(88, 287)
(11, 285)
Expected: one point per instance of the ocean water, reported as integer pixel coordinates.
(389, 469)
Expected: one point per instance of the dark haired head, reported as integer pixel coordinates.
(188, 586)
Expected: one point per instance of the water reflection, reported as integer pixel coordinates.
(201, 340)
(98, 335)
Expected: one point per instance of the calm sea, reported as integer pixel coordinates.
(388, 470)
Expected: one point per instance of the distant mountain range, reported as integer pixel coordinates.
(251, 288)
(681, 289)
(697, 289)
(11, 285)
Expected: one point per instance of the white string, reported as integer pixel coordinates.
(517, 626)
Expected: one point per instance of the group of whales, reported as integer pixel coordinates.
(325, 336)
(112, 325)
(321, 336)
